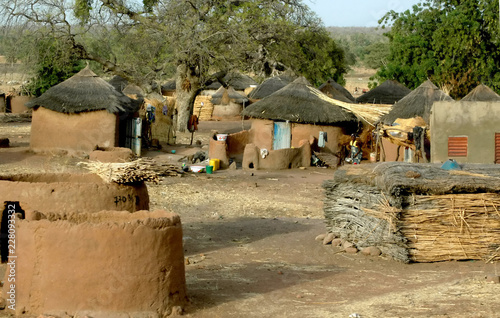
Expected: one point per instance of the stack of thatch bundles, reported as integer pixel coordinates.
(204, 112)
(417, 213)
(143, 169)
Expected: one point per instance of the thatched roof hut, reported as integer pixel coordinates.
(389, 92)
(133, 90)
(236, 80)
(83, 92)
(225, 95)
(417, 103)
(299, 102)
(330, 91)
(481, 93)
(118, 82)
(270, 86)
(325, 88)
(239, 81)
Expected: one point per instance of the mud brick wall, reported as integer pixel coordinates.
(81, 132)
(64, 193)
(105, 264)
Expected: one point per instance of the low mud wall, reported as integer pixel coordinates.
(64, 193)
(277, 159)
(113, 154)
(104, 264)
(17, 104)
(81, 132)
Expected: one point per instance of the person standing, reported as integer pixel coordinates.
(355, 150)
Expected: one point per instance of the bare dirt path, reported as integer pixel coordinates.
(250, 248)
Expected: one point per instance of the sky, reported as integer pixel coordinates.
(364, 13)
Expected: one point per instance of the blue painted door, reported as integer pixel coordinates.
(282, 135)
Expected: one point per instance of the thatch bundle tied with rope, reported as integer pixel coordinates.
(140, 170)
(417, 213)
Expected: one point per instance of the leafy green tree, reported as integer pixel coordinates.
(376, 55)
(357, 42)
(197, 40)
(453, 43)
(52, 64)
(318, 57)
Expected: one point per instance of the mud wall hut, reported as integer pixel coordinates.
(228, 103)
(467, 131)
(416, 104)
(79, 114)
(294, 114)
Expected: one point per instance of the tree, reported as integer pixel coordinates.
(454, 43)
(376, 55)
(51, 63)
(199, 40)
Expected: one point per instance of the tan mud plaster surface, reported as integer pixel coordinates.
(65, 193)
(102, 264)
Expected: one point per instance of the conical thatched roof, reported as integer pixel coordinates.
(132, 89)
(239, 81)
(417, 103)
(338, 87)
(329, 90)
(270, 86)
(482, 93)
(235, 80)
(83, 92)
(118, 82)
(301, 103)
(224, 95)
(169, 86)
(389, 92)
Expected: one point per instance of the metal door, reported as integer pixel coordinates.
(133, 135)
(282, 135)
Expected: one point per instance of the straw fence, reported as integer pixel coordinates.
(204, 112)
(417, 217)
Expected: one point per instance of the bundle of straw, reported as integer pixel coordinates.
(369, 113)
(453, 227)
(143, 169)
(204, 112)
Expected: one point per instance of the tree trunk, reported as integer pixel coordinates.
(187, 87)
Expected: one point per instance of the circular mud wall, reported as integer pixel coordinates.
(105, 264)
(64, 193)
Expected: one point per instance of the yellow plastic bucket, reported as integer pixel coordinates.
(215, 163)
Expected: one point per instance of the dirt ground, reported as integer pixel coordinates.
(250, 249)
